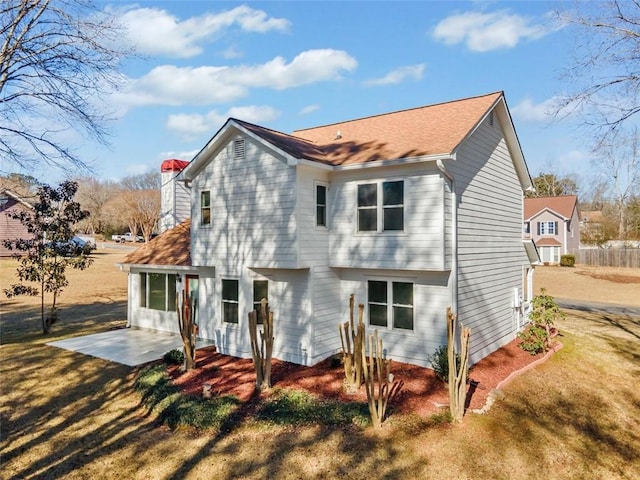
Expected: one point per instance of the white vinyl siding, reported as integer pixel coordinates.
(253, 211)
(313, 241)
(490, 260)
(431, 297)
(139, 314)
(420, 246)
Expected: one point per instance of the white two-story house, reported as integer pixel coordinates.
(412, 211)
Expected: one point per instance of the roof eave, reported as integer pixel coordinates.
(513, 144)
(396, 161)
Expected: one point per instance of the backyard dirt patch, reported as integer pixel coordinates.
(422, 392)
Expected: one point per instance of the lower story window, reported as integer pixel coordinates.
(390, 302)
(260, 291)
(158, 291)
(230, 311)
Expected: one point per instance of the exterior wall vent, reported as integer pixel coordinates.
(238, 149)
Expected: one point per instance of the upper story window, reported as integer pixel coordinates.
(238, 149)
(390, 303)
(321, 205)
(547, 228)
(377, 213)
(230, 300)
(205, 207)
(527, 227)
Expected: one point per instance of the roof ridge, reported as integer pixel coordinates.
(402, 110)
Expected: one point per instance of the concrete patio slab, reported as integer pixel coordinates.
(128, 346)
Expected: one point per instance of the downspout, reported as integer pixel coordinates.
(454, 236)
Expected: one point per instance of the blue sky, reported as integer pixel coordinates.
(291, 65)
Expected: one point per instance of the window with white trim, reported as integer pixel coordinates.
(230, 301)
(205, 207)
(547, 228)
(390, 304)
(381, 213)
(158, 291)
(260, 291)
(321, 205)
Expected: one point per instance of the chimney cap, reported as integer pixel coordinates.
(173, 165)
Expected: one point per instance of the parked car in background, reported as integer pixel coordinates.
(75, 246)
(127, 237)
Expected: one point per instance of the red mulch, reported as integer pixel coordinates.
(422, 392)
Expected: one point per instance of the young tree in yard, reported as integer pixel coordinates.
(44, 258)
(59, 61)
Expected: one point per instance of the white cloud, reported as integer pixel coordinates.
(157, 32)
(172, 85)
(309, 109)
(411, 72)
(482, 32)
(192, 126)
(527, 111)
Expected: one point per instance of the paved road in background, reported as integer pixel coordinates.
(598, 307)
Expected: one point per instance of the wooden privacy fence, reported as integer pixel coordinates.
(610, 257)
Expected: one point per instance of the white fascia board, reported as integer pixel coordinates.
(396, 161)
(513, 144)
(126, 267)
(311, 163)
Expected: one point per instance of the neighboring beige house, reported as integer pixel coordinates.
(412, 211)
(553, 223)
(11, 229)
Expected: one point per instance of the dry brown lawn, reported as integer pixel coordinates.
(65, 415)
(596, 284)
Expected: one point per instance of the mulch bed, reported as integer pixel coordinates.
(422, 392)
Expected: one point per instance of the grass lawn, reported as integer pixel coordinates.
(65, 415)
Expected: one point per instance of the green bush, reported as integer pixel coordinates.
(440, 362)
(174, 357)
(536, 337)
(567, 260)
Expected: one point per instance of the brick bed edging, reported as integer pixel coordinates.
(498, 394)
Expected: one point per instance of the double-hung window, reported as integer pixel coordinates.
(547, 228)
(390, 304)
(230, 300)
(381, 206)
(205, 207)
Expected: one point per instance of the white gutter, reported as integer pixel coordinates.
(454, 237)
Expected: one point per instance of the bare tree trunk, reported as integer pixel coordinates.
(262, 350)
(352, 359)
(457, 376)
(188, 329)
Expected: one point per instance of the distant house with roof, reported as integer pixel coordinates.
(11, 229)
(553, 223)
(412, 211)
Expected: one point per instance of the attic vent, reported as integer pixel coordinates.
(238, 149)
(491, 119)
